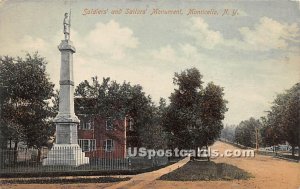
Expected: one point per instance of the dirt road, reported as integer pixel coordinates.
(268, 173)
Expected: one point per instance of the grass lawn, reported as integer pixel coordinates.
(203, 170)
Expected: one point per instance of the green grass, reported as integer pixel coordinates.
(204, 171)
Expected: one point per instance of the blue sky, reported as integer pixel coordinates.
(254, 55)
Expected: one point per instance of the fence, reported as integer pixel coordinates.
(276, 153)
(30, 160)
(280, 154)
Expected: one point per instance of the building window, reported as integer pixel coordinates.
(108, 145)
(109, 124)
(86, 125)
(87, 144)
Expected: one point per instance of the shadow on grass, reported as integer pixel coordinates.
(204, 171)
(64, 181)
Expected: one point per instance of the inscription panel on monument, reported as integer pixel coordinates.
(74, 134)
(63, 134)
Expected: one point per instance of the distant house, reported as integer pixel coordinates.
(103, 137)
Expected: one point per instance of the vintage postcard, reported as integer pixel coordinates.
(150, 94)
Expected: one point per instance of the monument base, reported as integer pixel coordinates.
(66, 154)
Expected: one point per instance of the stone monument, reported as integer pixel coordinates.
(65, 150)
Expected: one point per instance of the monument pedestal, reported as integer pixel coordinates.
(66, 151)
(66, 154)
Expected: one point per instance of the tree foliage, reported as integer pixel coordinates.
(245, 132)
(228, 133)
(283, 121)
(26, 90)
(194, 117)
(152, 134)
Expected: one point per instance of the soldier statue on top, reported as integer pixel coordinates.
(67, 24)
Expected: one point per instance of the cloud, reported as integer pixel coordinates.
(188, 50)
(293, 57)
(29, 42)
(165, 54)
(25, 44)
(268, 34)
(205, 37)
(110, 39)
(179, 55)
(2, 2)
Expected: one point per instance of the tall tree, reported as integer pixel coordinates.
(194, 117)
(283, 121)
(213, 108)
(183, 112)
(291, 117)
(271, 133)
(25, 107)
(245, 132)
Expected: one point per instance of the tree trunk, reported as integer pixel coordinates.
(197, 152)
(15, 154)
(293, 151)
(38, 159)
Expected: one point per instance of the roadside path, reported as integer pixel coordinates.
(145, 180)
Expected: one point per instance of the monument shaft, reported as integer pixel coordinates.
(66, 120)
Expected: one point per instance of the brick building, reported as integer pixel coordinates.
(102, 137)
